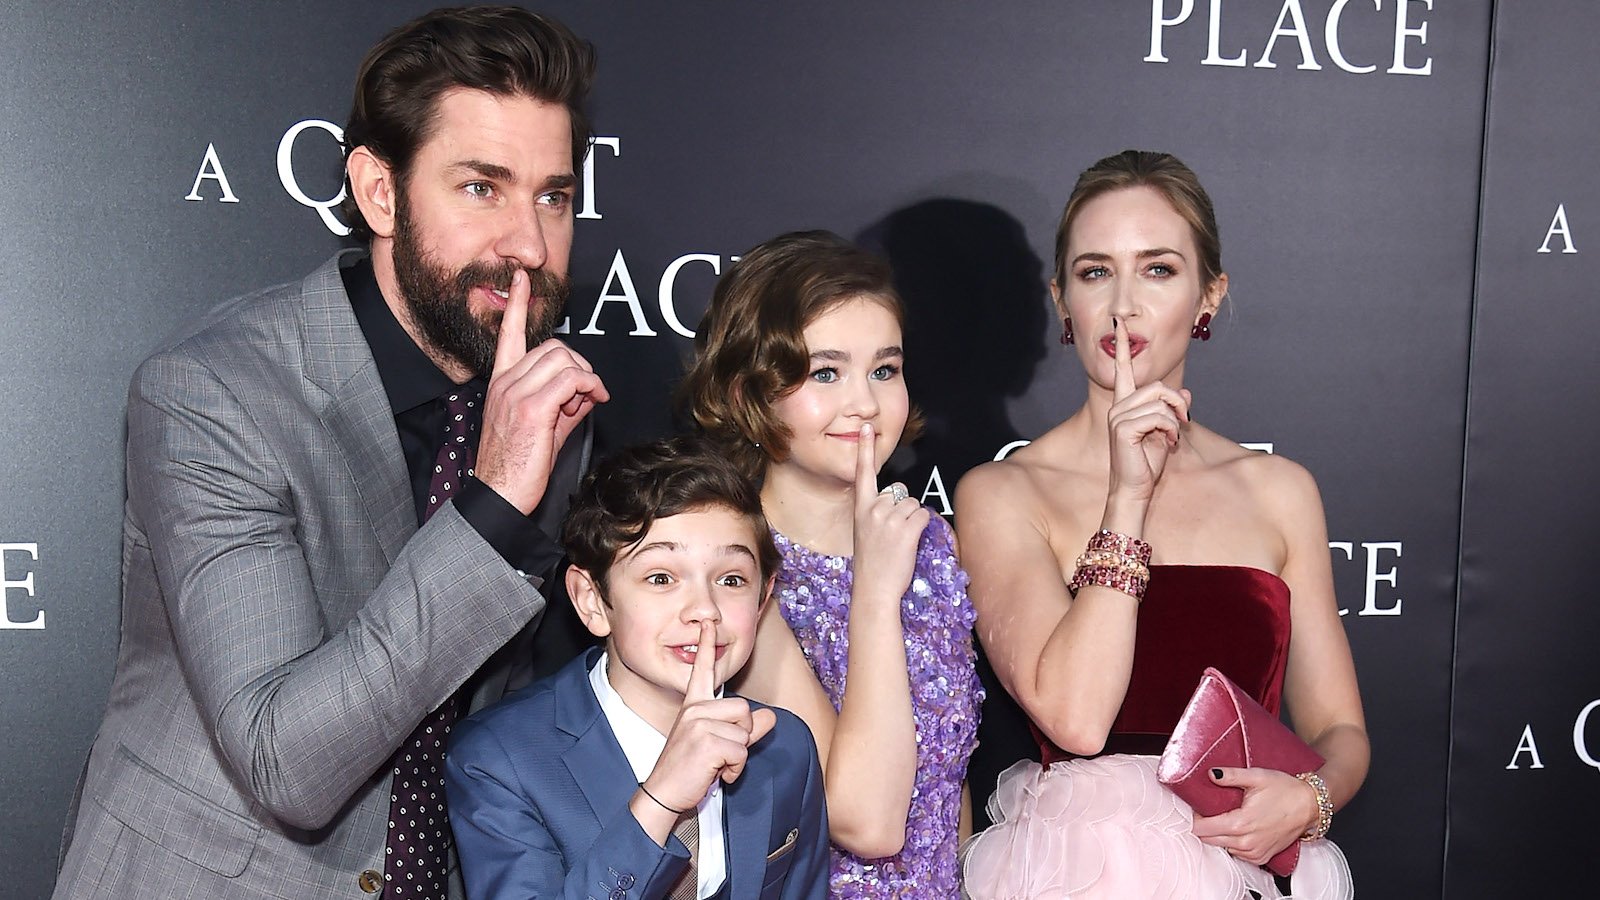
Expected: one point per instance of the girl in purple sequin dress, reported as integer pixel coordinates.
(797, 372)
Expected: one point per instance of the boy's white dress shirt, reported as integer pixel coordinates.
(642, 745)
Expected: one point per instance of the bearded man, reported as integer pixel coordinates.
(342, 496)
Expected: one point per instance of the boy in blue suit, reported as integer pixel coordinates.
(626, 774)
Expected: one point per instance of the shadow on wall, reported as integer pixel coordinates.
(976, 331)
(974, 291)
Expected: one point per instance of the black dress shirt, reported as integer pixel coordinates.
(416, 390)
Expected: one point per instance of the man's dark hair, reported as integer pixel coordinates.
(620, 499)
(504, 50)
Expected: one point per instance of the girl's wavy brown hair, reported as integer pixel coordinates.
(750, 349)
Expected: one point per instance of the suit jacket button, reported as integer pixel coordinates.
(370, 881)
(619, 894)
(625, 882)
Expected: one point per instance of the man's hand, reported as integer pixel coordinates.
(536, 397)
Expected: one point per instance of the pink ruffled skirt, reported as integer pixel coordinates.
(1088, 829)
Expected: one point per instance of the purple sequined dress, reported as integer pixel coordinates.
(814, 596)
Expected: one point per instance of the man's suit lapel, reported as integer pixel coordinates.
(747, 815)
(356, 412)
(517, 664)
(571, 462)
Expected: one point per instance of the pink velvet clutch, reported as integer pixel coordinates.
(1224, 726)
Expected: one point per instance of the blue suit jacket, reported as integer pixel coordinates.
(539, 788)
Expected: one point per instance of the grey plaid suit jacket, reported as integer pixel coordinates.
(285, 623)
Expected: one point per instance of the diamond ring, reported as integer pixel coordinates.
(897, 491)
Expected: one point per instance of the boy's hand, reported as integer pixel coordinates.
(710, 739)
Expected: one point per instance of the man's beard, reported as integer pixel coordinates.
(439, 301)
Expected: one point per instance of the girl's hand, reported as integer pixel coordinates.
(886, 531)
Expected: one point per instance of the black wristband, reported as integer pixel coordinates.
(676, 812)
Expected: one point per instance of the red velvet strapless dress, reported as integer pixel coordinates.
(1103, 827)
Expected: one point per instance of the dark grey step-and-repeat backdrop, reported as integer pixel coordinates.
(1409, 315)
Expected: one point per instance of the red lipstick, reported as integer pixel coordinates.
(1136, 344)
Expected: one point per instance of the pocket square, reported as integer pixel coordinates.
(786, 846)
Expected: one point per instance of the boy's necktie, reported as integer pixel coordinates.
(688, 831)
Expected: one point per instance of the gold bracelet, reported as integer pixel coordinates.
(1324, 807)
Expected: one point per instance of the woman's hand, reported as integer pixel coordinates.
(1277, 809)
(1145, 425)
(886, 532)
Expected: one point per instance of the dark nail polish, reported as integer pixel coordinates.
(1216, 774)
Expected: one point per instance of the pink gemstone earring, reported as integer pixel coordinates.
(1066, 331)
(1202, 328)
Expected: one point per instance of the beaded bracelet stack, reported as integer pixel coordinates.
(1116, 561)
(1324, 807)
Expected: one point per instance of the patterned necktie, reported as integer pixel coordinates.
(419, 827)
(688, 831)
(457, 450)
